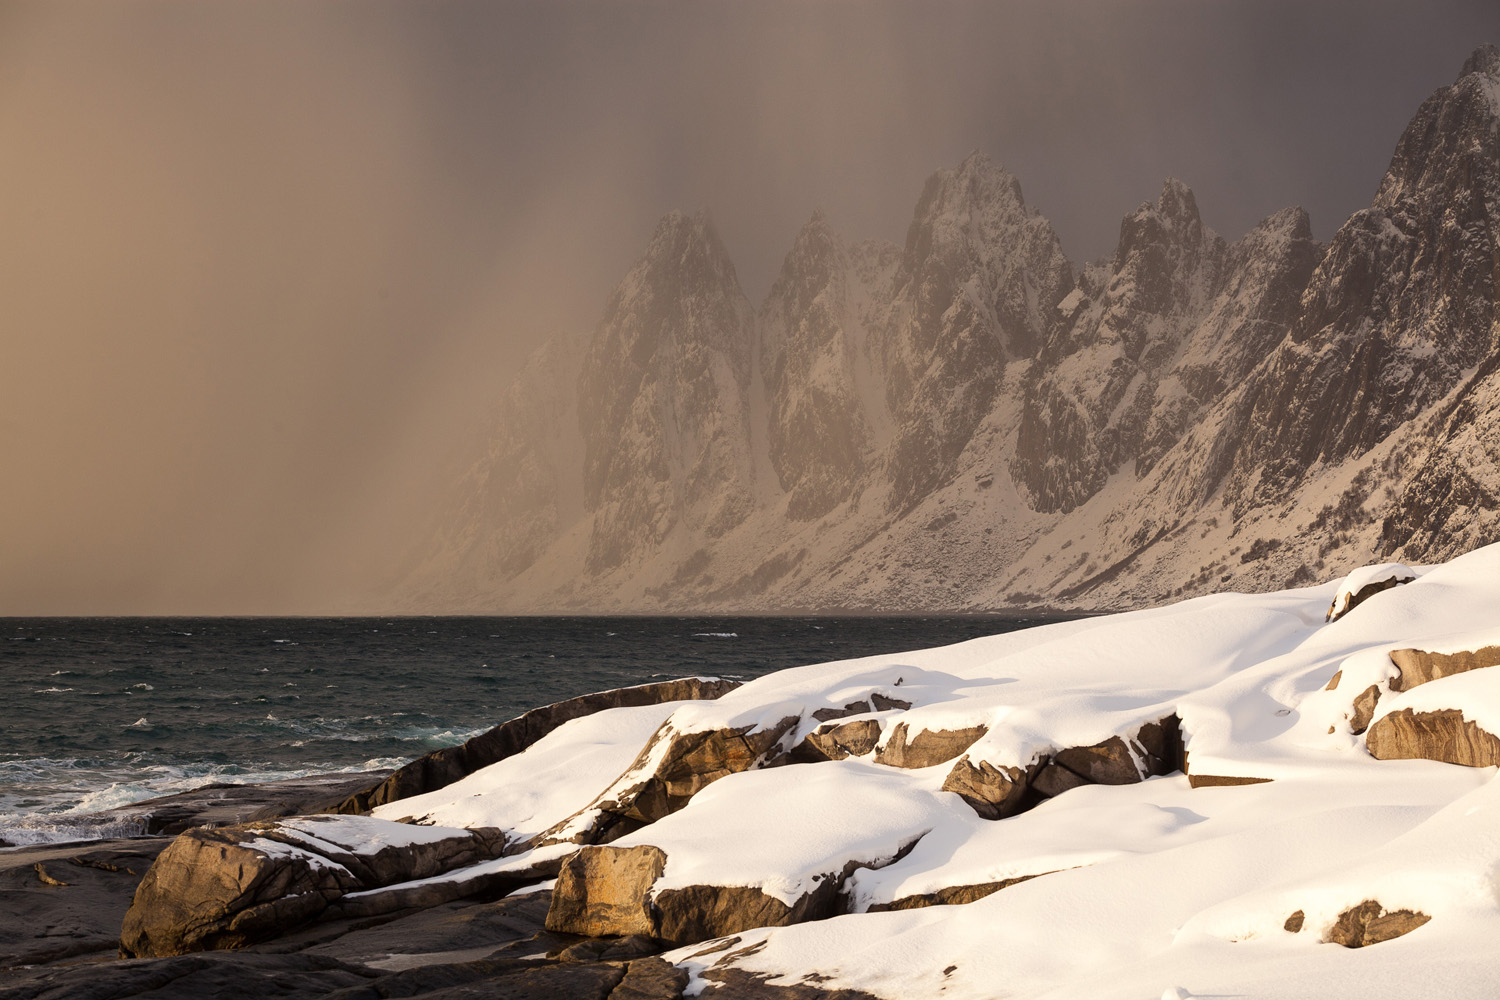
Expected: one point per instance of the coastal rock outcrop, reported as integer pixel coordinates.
(671, 769)
(611, 891)
(233, 886)
(445, 766)
(997, 791)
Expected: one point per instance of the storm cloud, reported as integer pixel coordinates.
(264, 264)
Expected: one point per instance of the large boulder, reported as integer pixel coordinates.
(445, 766)
(605, 891)
(233, 886)
(1443, 735)
(611, 891)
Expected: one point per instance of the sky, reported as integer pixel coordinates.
(265, 263)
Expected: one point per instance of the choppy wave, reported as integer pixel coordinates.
(51, 801)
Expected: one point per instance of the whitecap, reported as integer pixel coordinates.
(51, 690)
(140, 723)
(717, 635)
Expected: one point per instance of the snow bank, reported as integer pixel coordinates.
(1148, 888)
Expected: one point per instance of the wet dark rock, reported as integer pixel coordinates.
(223, 804)
(227, 888)
(42, 923)
(194, 977)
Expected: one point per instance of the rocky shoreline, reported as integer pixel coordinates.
(652, 842)
(66, 904)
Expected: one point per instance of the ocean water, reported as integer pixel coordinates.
(103, 712)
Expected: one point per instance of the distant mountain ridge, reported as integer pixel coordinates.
(971, 421)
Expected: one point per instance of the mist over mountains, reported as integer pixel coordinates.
(974, 421)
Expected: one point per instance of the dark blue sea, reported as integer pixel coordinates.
(103, 712)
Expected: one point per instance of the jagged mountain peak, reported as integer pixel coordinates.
(975, 184)
(1172, 219)
(1484, 60)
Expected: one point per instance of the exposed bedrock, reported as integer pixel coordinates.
(1370, 923)
(837, 740)
(1443, 735)
(1351, 601)
(610, 891)
(927, 746)
(998, 791)
(1418, 666)
(231, 887)
(445, 766)
(690, 762)
(1414, 667)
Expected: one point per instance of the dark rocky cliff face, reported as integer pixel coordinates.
(816, 357)
(978, 284)
(1090, 397)
(663, 398)
(1402, 304)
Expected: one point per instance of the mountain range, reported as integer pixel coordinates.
(972, 421)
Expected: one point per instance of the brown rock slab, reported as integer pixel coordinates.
(927, 747)
(835, 741)
(1417, 666)
(993, 792)
(445, 766)
(605, 891)
(1443, 735)
(1369, 923)
(1294, 922)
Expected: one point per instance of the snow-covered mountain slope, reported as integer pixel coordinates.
(1281, 795)
(973, 422)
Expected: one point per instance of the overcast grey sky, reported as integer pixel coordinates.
(263, 262)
